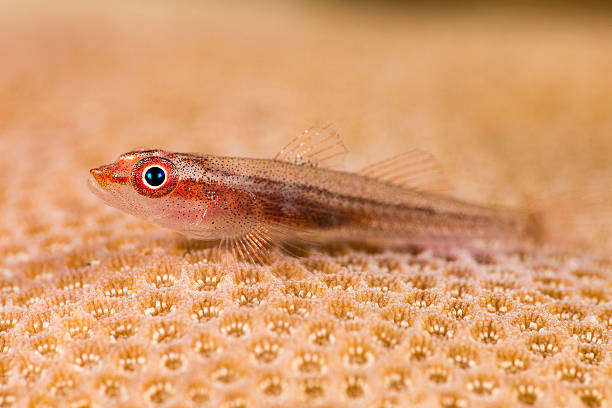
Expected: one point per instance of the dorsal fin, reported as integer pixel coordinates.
(316, 146)
(415, 169)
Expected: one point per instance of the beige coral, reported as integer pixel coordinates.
(132, 326)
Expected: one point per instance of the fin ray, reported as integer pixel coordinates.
(252, 247)
(316, 146)
(414, 169)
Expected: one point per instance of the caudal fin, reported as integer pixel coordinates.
(571, 220)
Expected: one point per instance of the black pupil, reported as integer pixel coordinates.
(155, 176)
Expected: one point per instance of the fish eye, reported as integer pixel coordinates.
(154, 177)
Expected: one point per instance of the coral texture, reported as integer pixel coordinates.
(154, 320)
(100, 309)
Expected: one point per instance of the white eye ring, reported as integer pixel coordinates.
(146, 183)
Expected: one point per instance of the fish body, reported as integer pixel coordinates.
(255, 203)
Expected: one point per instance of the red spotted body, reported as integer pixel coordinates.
(255, 203)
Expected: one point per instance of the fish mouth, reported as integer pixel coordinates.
(99, 175)
(110, 174)
(95, 184)
(105, 192)
(99, 182)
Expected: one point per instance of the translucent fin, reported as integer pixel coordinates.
(316, 146)
(286, 229)
(415, 169)
(252, 247)
(569, 219)
(280, 230)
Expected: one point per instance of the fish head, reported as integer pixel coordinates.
(140, 183)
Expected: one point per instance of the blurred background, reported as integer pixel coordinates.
(515, 102)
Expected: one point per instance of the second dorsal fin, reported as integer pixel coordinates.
(415, 169)
(315, 146)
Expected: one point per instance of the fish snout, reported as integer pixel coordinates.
(100, 174)
(106, 174)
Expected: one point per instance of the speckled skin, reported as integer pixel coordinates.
(210, 197)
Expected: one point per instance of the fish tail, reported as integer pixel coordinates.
(537, 227)
(570, 220)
